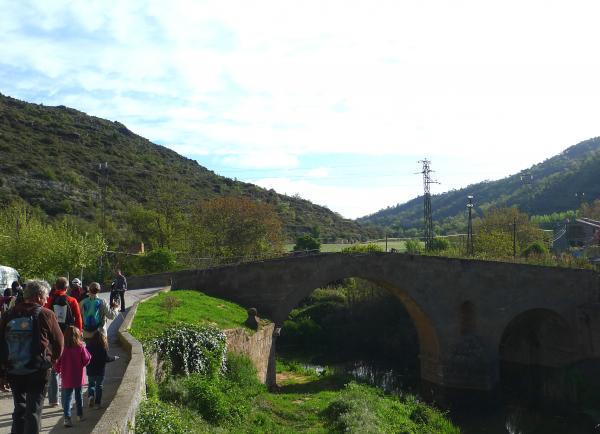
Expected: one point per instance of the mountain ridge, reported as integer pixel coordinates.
(51, 156)
(559, 183)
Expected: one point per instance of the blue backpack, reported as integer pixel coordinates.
(22, 337)
(92, 316)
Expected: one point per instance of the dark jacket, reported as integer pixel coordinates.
(100, 357)
(51, 337)
(120, 283)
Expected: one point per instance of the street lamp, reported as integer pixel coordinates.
(470, 226)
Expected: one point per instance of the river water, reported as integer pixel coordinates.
(510, 414)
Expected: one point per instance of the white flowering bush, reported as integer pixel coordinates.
(192, 349)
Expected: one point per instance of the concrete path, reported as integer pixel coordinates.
(53, 417)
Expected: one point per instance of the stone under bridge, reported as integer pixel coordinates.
(469, 314)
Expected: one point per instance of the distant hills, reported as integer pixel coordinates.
(50, 155)
(558, 184)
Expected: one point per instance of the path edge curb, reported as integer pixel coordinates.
(119, 417)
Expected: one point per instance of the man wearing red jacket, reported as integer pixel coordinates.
(66, 309)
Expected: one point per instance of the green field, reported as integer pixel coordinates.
(331, 248)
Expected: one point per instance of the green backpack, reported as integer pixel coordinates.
(92, 316)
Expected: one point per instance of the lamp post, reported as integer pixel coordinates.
(470, 226)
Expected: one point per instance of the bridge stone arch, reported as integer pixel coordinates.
(539, 337)
(429, 345)
(460, 307)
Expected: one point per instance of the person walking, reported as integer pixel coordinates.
(96, 312)
(66, 309)
(97, 346)
(120, 286)
(76, 289)
(70, 366)
(30, 341)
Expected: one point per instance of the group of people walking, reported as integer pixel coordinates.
(50, 335)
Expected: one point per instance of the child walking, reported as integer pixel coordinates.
(97, 346)
(70, 367)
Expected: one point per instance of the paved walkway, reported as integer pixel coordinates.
(53, 417)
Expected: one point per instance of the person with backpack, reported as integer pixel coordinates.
(30, 341)
(118, 289)
(70, 365)
(66, 309)
(96, 312)
(97, 345)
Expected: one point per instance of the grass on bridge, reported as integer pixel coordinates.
(191, 307)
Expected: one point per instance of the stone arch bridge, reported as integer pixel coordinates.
(469, 314)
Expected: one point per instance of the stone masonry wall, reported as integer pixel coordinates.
(258, 347)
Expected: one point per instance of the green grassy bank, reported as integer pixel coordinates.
(233, 401)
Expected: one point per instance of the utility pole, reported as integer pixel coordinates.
(514, 225)
(470, 227)
(428, 221)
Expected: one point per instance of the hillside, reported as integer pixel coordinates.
(50, 159)
(556, 185)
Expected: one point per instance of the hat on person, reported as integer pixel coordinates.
(76, 281)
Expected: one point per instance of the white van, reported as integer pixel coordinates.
(7, 276)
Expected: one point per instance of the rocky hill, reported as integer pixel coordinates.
(50, 156)
(558, 184)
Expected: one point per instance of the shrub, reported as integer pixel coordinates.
(307, 242)
(353, 411)
(204, 395)
(192, 348)
(241, 371)
(536, 248)
(414, 247)
(439, 244)
(155, 417)
(363, 248)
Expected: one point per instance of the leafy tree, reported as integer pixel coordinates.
(307, 242)
(39, 249)
(591, 211)
(235, 227)
(494, 233)
(158, 260)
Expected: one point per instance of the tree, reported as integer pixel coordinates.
(235, 227)
(494, 233)
(39, 249)
(591, 211)
(307, 242)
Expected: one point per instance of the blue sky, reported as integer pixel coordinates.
(334, 100)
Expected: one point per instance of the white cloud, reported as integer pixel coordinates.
(265, 84)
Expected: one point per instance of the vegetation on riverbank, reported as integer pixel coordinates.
(231, 400)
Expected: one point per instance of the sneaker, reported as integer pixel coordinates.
(80, 418)
(98, 406)
(91, 402)
(68, 423)
(53, 404)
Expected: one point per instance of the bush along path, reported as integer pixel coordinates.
(205, 389)
(52, 417)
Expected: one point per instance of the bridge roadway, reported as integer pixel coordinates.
(469, 314)
(53, 417)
